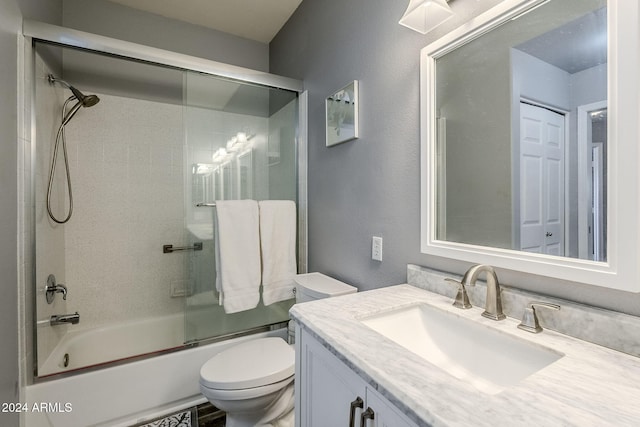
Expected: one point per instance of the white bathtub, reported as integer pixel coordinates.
(96, 346)
(126, 394)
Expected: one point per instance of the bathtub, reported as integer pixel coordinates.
(125, 394)
(92, 347)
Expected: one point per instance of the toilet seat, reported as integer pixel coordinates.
(244, 393)
(251, 364)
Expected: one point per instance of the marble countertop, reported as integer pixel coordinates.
(590, 386)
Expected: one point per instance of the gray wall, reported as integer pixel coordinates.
(124, 23)
(10, 20)
(370, 186)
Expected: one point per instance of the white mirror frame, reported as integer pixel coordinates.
(622, 269)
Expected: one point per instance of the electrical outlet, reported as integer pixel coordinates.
(376, 248)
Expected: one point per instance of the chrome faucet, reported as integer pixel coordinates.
(61, 319)
(61, 289)
(52, 288)
(493, 304)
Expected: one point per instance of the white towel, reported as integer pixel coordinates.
(237, 251)
(278, 244)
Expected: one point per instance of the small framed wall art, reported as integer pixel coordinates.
(342, 115)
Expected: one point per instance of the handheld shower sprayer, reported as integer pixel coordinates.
(85, 100)
(82, 101)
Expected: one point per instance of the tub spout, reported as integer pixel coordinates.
(60, 319)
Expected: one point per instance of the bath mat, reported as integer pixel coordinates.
(179, 419)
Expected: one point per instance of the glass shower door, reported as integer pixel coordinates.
(147, 162)
(126, 162)
(241, 144)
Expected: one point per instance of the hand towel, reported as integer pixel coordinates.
(278, 245)
(237, 254)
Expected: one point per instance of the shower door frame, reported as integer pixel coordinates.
(41, 32)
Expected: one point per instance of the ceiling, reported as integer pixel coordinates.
(576, 46)
(258, 20)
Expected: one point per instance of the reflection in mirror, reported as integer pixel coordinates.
(245, 176)
(521, 139)
(227, 181)
(217, 183)
(203, 183)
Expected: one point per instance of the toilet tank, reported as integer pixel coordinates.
(313, 286)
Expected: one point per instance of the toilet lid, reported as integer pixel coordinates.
(253, 363)
(317, 285)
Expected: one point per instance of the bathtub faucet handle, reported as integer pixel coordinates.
(52, 288)
(63, 290)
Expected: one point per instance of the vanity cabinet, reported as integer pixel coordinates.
(329, 393)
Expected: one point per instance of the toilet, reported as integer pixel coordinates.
(253, 381)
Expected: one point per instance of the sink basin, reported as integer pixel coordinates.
(486, 358)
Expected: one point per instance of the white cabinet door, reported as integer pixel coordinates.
(326, 390)
(384, 414)
(326, 387)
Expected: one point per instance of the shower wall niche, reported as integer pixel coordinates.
(160, 142)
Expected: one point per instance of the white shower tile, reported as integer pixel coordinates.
(161, 156)
(116, 152)
(90, 155)
(178, 154)
(139, 153)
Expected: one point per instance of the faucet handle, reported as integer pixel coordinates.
(462, 299)
(530, 319)
(52, 288)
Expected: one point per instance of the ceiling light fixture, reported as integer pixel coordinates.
(425, 15)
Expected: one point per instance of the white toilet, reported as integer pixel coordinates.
(253, 381)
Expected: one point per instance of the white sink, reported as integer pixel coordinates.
(486, 358)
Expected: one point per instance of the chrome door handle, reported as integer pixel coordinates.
(366, 415)
(358, 403)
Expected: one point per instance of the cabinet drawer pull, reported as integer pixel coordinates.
(366, 415)
(358, 403)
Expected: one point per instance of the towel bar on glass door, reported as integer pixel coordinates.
(205, 205)
(167, 249)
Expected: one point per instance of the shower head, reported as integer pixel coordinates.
(85, 100)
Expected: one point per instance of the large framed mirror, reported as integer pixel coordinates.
(530, 141)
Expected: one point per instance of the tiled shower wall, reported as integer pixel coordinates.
(127, 158)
